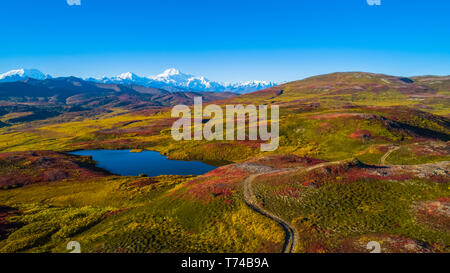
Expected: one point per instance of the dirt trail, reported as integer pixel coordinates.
(388, 153)
(291, 238)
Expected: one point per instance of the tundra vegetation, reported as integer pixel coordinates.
(49, 198)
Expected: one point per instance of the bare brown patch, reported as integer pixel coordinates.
(361, 135)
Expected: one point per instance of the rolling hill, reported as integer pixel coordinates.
(363, 157)
(33, 99)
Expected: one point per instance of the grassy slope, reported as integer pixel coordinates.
(331, 117)
(303, 129)
(330, 205)
(129, 214)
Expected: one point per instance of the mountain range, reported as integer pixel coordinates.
(22, 74)
(32, 99)
(171, 80)
(362, 157)
(75, 91)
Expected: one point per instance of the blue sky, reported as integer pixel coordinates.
(226, 40)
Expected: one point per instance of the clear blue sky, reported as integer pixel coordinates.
(226, 40)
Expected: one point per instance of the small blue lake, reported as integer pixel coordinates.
(126, 163)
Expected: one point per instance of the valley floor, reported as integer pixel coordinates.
(363, 157)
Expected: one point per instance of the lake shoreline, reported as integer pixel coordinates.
(145, 163)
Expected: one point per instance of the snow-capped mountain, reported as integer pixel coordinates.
(171, 80)
(22, 74)
(124, 78)
(174, 80)
(249, 86)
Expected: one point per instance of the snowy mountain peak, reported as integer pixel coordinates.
(170, 72)
(171, 80)
(127, 76)
(251, 83)
(172, 75)
(22, 74)
(174, 80)
(248, 86)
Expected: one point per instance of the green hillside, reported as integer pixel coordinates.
(362, 157)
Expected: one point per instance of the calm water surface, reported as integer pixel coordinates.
(123, 162)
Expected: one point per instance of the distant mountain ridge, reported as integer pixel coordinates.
(171, 80)
(75, 91)
(32, 99)
(175, 81)
(22, 74)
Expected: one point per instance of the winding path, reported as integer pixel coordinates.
(291, 237)
(388, 153)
